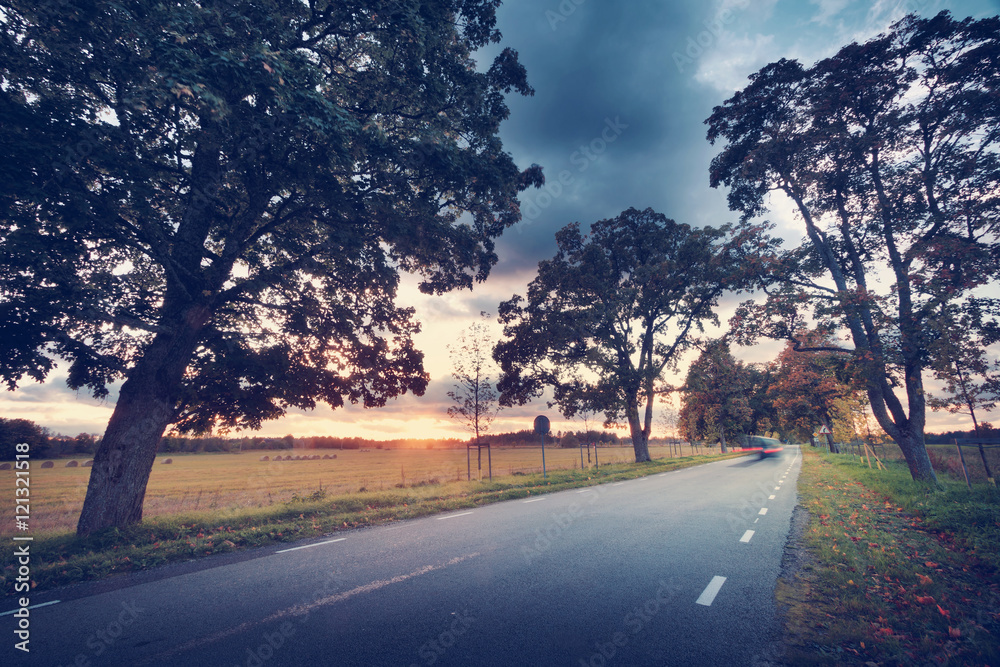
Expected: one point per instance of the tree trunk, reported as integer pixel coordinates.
(911, 441)
(124, 460)
(979, 437)
(640, 443)
(722, 443)
(146, 406)
(829, 433)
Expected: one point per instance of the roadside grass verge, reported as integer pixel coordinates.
(899, 573)
(59, 560)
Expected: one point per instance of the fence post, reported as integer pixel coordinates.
(964, 469)
(989, 473)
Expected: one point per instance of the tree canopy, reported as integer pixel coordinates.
(888, 152)
(213, 202)
(807, 386)
(612, 310)
(716, 400)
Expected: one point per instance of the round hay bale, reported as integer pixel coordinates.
(278, 458)
(88, 464)
(326, 456)
(333, 456)
(166, 461)
(48, 464)
(315, 457)
(72, 464)
(265, 458)
(4, 466)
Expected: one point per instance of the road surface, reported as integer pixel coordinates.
(677, 568)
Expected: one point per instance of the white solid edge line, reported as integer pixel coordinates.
(34, 606)
(310, 546)
(746, 536)
(534, 500)
(763, 510)
(708, 595)
(452, 516)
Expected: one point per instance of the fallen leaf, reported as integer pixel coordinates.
(924, 579)
(943, 612)
(931, 565)
(954, 633)
(925, 599)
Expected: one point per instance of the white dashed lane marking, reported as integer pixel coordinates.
(310, 546)
(707, 596)
(746, 536)
(763, 511)
(452, 516)
(534, 500)
(34, 606)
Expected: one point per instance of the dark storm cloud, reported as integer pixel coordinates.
(613, 122)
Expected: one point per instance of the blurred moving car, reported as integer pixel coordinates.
(764, 446)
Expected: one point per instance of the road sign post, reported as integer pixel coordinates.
(541, 428)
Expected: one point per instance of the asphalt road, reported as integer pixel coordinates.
(673, 569)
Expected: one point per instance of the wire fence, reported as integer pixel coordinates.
(966, 460)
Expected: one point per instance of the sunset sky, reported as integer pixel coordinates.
(617, 121)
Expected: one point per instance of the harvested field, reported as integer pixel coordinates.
(223, 481)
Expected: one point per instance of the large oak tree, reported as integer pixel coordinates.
(213, 201)
(888, 152)
(613, 310)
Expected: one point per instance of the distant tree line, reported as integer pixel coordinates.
(987, 432)
(41, 440)
(45, 445)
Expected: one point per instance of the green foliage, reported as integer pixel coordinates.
(213, 201)
(17, 431)
(808, 384)
(715, 405)
(235, 186)
(888, 153)
(613, 310)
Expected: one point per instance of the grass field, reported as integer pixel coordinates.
(199, 482)
(898, 573)
(946, 460)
